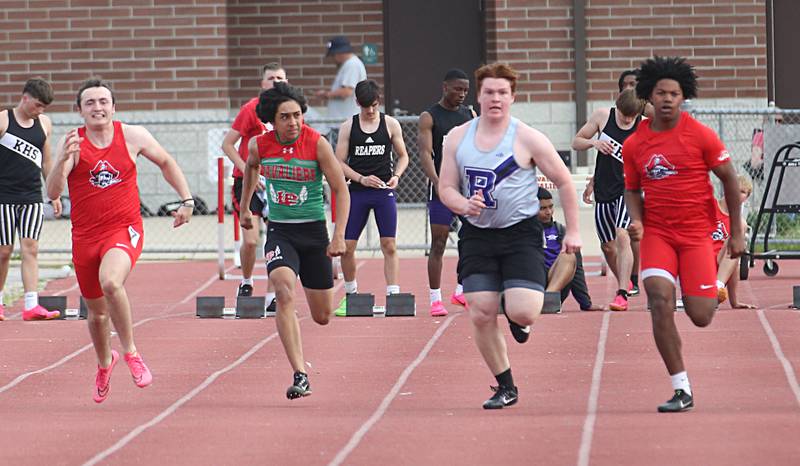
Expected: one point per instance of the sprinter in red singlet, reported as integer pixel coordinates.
(671, 205)
(98, 162)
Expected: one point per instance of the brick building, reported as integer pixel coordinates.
(200, 58)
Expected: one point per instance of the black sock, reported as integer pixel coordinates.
(635, 279)
(623, 293)
(505, 379)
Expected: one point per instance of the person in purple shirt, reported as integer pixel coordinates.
(564, 270)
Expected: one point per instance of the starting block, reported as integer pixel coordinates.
(360, 305)
(210, 307)
(796, 297)
(401, 305)
(54, 303)
(250, 307)
(552, 302)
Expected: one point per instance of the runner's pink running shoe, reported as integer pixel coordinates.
(458, 299)
(619, 303)
(139, 371)
(40, 313)
(2, 312)
(437, 309)
(103, 380)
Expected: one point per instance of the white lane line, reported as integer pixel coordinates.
(72, 355)
(121, 443)
(387, 400)
(594, 393)
(791, 377)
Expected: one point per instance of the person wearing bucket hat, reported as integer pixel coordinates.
(341, 99)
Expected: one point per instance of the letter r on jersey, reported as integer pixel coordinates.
(483, 180)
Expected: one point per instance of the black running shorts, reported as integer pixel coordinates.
(495, 259)
(303, 247)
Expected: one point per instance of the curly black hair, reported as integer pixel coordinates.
(658, 68)
(271, 99)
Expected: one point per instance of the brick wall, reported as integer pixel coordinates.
(176, 55)
(295, 32)
(724, 39)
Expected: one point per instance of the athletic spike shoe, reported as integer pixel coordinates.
(103, 379)
(520, 333)
(272, 309)
(2, 313)
(245, 290)
(40, 313)
(437, 309)
(458, 299)
(722, 295)
(620, 303)
(300, 387)
(680, 402)
(633, 290)
(341, 311)
(139, 371)
(503, 396)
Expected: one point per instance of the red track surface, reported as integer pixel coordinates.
(401, 390)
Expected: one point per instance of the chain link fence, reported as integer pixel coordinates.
(754, 137)
(195, 144)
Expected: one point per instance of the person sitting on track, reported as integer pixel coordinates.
(98, 163)
(671, 205)
(727, 273)
(564, 269)
(364, 149)
(295, 157)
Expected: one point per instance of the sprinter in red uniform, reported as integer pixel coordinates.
(667, 160)
(98, 162)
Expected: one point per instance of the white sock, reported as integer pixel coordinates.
(31, 300)
(436, 295)
(351, 287)
(720, 284)
(680, 381)
(247, 281)
(392, 289)
(269, 298)
(459, 289)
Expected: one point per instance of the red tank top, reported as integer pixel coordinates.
(103, 189)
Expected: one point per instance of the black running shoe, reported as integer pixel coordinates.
(520, 333)
(682, 401)
(634, 291)
(503, 396)
(300, 387)
(245, 290)
(272, 309)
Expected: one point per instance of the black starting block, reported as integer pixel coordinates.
(796, 297)
(54, 303)
(552, 302)
(401, 305)
(360, 304)
(210, 307)
(250, 307)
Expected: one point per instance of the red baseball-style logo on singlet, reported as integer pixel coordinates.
(103, 175)
(658, 167)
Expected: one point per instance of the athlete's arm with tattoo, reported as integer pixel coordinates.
(144, 143)
(249, 182)
(425, 144)
(68, 150)
(547, 160)
(332, 170)
(399, 146)
(450, 178)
